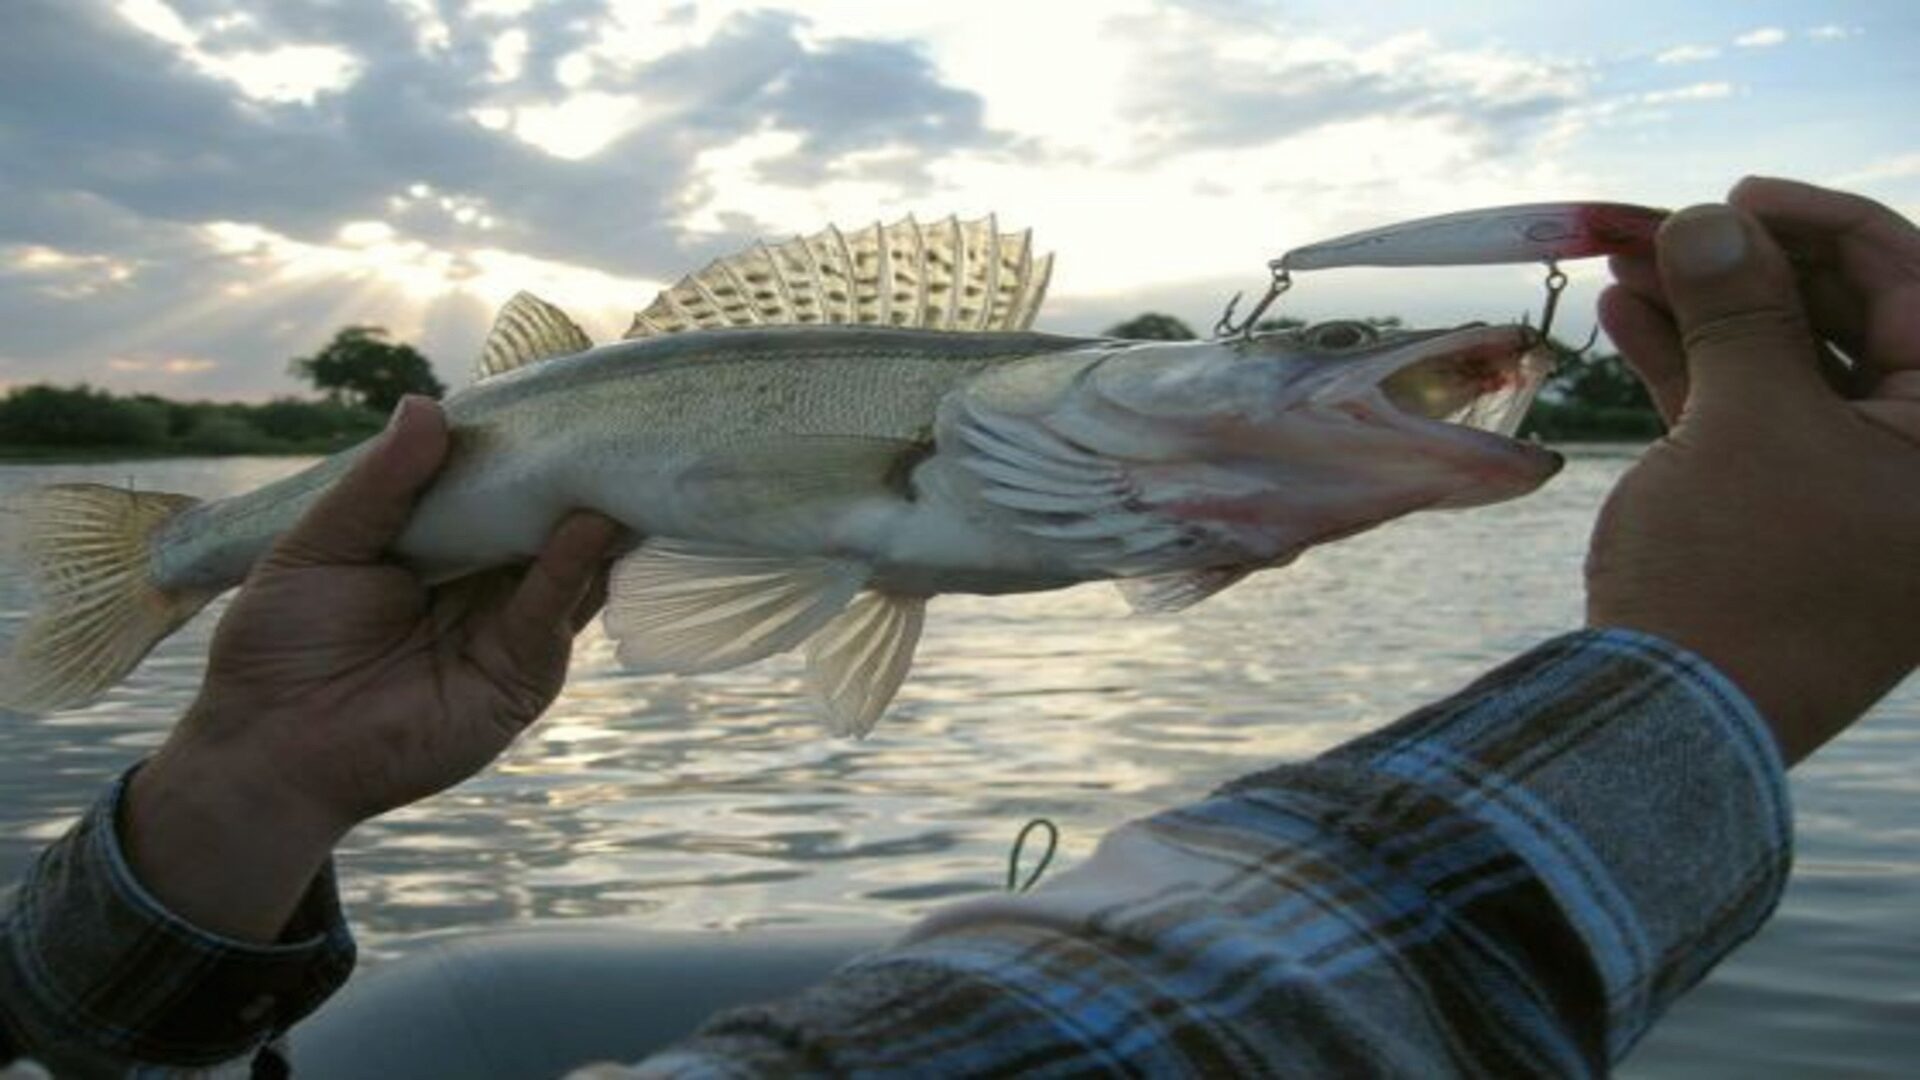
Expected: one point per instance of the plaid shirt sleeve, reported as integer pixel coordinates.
(1515, 881)
(97, 978)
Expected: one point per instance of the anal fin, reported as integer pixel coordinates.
(856, 662)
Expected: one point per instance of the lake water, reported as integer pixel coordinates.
(716, 802)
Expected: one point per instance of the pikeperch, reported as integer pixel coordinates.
(814, 438)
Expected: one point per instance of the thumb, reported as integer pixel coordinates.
(367, 508)
(1737, 308)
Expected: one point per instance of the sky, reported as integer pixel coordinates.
(193, 192)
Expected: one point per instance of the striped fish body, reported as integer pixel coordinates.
(786, 441)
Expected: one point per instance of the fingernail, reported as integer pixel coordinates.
(406, 404)
(1704, 241)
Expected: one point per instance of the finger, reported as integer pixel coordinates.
(1900, 386)
(593, 601)
(1859, 262)
(1838, 313)
(367, 508)
(525, 629)
(1640, 275)
(1650, 343)
(1900, 417)
(1823, 223)
(1735, 305)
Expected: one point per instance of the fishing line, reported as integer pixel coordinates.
(1019, 847)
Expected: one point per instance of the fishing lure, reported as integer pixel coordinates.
(1532, 232)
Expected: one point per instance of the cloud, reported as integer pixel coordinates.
(1897, 168)
(1832, 32)
(62, 275)
(117, 112)
(1686, 54)
(1701, 91)
(176, 365)
(1202, 80)
(153, 134)
(1764, 37)
(230, 181)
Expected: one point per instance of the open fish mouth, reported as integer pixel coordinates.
(1479, 379)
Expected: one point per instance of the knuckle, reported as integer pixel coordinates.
(1746, 327)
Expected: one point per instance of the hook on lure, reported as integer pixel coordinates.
(1529, 233)
(1279, 281)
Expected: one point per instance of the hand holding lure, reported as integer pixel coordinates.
(1531, 232)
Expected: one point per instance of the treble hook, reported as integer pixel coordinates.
(1281, 281)
(1556, 284)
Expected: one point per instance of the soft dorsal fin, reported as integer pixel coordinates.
(949, 275)
(527, 331)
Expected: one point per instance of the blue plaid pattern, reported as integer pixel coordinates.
(1515, 881)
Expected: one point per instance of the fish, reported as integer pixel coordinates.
(811, 439)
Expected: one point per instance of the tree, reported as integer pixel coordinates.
(80, 416)
(362, 367)
(1600, 380)
(1290, 322)
(1153, 326)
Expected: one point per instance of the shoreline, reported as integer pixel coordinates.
(17, 454)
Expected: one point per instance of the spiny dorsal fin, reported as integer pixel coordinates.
(949, 275)
(527, 331)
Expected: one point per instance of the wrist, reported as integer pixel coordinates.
(220, 842)
(1806, 691)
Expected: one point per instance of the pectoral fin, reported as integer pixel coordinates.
(681, 607)
(857, 660)
(1057, 490)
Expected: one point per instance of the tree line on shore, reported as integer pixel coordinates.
(361, 373)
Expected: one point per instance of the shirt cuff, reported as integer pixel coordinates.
(1636, 782)
(94, 970)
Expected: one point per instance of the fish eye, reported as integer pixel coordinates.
(1342, 334)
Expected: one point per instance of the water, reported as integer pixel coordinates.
(715, 801)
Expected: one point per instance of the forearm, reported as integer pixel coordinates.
(219, 845)
(1518, 879)
(97, 975)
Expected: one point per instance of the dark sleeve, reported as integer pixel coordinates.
(1516, 880)
(97, 977)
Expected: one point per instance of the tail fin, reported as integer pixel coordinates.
(84, 551)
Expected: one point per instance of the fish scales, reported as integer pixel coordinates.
(508, 477)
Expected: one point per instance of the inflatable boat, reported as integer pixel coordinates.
(538, 1001)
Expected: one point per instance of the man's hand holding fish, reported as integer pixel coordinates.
(340, 686)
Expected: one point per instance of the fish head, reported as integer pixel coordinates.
(1246, 451)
